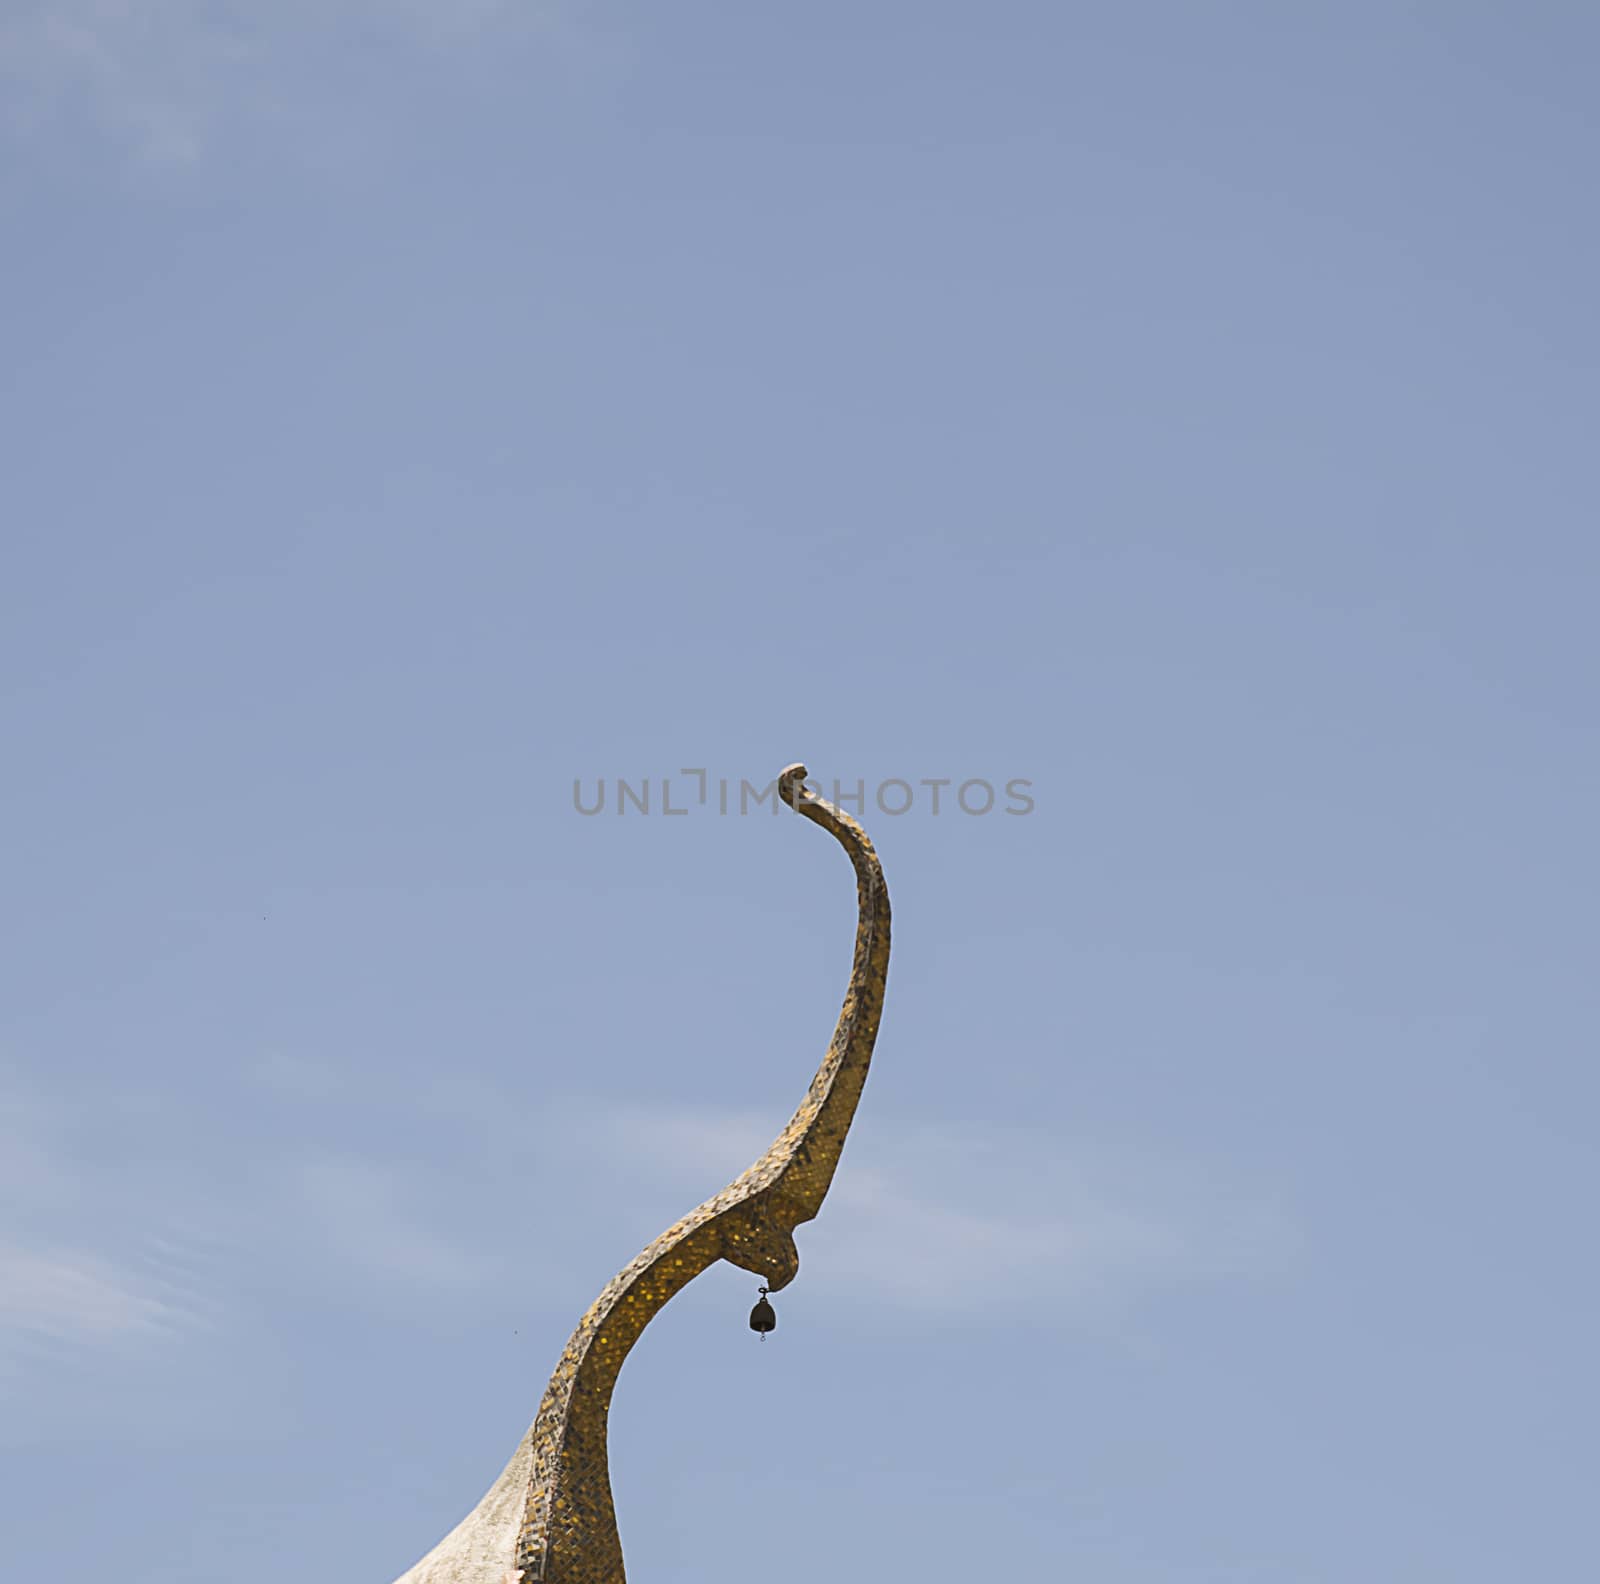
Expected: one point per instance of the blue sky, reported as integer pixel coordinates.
(1186, 408)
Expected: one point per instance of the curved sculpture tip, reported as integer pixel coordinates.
(791, 783)
(549, 1519)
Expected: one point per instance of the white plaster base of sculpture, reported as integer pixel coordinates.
(481, 1549)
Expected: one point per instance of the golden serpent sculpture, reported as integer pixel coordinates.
(549, 1519)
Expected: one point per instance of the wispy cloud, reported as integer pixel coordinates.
(941, 1225)
(954, 1217)
(150, 73)
(72, 1295)
(164, 77)
(458, 1190)
(959, 1217)
(370, 1216)
(56, 1286)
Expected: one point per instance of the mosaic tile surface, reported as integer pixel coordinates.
(568, 1528)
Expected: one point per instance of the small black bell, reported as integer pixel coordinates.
(762, 1317)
